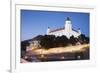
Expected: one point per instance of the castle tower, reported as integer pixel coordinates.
(79, 31)
(48, 30)
(68, 27)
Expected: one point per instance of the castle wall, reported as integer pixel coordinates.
(57, 33)
(75, 34)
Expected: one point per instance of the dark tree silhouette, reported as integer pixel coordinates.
(57, 41)
(23, 47)
(47, 41)
(83, 39)
(50, 41)
(64, 41)
(73, 40)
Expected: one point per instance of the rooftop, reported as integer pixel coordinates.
(61, 29)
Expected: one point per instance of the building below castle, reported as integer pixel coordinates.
(67, 30)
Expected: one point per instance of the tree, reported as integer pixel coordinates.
(87, 40)
(64, 41)
(83, 39)
(73, 40)
(57, 41)
(47, 41)
(23, 47)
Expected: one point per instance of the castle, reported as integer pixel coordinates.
(68, 31)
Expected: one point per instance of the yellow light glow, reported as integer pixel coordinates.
(77, 48)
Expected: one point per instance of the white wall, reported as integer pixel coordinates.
(5, 36)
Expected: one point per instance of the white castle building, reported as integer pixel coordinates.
(68, 31)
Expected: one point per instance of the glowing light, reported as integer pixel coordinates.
(77, 48)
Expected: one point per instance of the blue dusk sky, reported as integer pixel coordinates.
(35, 23)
